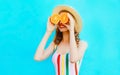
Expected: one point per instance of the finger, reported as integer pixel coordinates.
(55, 26)
(67, 26)
(70, 17)
(48, 18)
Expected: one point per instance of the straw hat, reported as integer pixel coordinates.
(73, 12)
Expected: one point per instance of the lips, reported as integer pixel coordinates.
(61, 26)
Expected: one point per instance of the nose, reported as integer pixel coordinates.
(60, 23)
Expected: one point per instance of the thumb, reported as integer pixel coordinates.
(67, 26)
(55, 26)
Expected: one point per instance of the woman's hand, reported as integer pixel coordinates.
(71, 24)
(50, 26)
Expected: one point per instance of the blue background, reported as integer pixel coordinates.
(23, 24)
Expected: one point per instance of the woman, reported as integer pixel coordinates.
(67, 48)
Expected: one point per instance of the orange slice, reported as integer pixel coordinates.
(64, 18)
(55, 18)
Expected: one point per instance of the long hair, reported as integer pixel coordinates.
(59, 36)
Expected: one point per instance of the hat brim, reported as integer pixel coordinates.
(73, 12)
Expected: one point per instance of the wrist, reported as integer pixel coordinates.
(71, 30)
(49, 32)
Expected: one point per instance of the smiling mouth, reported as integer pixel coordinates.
(61, 25)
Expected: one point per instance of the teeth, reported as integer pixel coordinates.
(62, 26)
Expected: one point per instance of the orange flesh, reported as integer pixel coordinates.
(55, 18)
(64, 18)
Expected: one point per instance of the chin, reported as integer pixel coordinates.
(63, 29)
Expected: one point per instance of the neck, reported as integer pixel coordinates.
(66, 37)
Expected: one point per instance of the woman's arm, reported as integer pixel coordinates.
(41, 54)
(76, 53)
(73, 48)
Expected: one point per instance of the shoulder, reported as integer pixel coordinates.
(83, 43)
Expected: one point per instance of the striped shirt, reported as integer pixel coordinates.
(63, 66)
